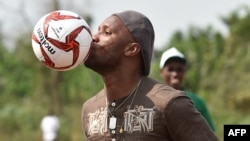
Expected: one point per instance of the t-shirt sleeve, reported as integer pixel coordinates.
(185, 123)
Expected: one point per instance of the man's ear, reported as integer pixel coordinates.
(132, 49)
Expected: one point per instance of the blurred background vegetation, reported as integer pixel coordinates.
(218, 70)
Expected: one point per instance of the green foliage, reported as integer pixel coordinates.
(29, 90)
(218, 68)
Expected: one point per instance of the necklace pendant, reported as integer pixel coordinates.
(121, 130)
(112, 122)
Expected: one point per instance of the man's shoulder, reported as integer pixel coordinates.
(100, 96)
(160, 91)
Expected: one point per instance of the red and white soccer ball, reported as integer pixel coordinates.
(61, 40)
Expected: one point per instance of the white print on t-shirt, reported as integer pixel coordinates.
(98, 121)
(139, 119)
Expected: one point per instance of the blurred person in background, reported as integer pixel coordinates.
(172, 70)
(50, 127)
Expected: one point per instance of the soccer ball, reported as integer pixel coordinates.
(61, 40)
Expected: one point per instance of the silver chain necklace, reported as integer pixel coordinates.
(112, 118)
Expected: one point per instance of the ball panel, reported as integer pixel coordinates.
(36, 50)
(84, 38)
(64, 60)
(56, 30)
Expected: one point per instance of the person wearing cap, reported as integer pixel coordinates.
(173, 68)
(132, 106)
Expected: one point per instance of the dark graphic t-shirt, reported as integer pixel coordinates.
(156, 112)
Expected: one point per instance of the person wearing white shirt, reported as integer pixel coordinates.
(50, 126)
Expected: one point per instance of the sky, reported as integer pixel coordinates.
(167, 16)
